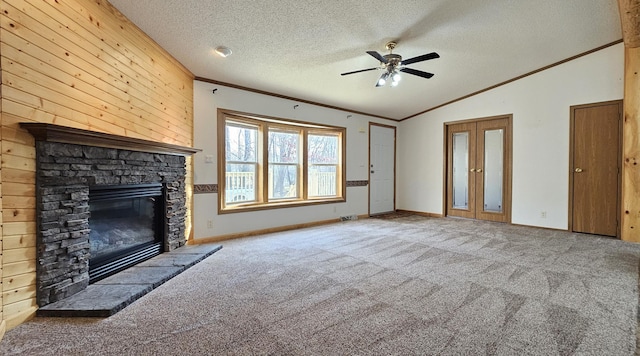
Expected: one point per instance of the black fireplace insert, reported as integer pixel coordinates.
(127, 227)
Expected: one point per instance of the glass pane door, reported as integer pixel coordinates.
(493, 170)
(493, 167)
(461, 170)
(461, 177)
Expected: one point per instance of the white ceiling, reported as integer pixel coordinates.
(298, 48)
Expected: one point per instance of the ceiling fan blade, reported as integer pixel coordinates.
(419, 73)
(424, 57)
(377, 56)
(358, 71)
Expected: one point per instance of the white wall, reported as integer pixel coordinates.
(540, 107)
(205, 137)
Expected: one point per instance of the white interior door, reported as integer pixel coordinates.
(382, 155)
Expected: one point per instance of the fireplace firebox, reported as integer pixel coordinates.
(127, 227)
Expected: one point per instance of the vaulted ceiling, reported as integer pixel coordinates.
(298, 48)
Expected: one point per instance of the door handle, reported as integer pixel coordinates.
(372, 172)
(578, 170)
(479, 170)
(472, 170)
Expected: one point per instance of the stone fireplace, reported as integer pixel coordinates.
(104, 202)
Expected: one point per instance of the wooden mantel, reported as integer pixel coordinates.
(64, 134)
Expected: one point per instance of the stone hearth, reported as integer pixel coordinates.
(69, 163)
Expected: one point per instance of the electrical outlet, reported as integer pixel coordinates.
(543, 214)
(209, 224)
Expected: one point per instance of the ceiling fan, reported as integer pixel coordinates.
(392, 64)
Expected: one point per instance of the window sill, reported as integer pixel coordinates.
(279, 205)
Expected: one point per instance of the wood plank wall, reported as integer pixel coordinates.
(630, 19)
(77, 63)
(630, 228)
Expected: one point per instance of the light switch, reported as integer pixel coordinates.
(208, 159)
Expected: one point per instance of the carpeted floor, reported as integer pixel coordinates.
(410, 285)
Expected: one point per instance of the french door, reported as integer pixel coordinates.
(479, 169)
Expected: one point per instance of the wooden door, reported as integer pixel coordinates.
(479, 169)
(381, 169)
(595, 168)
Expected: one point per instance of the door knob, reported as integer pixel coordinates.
(472, 170)
(578, 170)
(479, 170)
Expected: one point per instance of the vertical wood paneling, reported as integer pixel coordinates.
(630, 19)
(3, 324)
(630, 227)
(77, 63)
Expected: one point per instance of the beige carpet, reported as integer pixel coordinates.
(410, 285)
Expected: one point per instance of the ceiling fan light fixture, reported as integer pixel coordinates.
(383, 79)
(223, 51)
(392, 64)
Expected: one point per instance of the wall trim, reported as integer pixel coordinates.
(544, 228)
(516, 78)
(205, 188)
(421, 213)
(238, 235)
(258, 91)
(213, 188)
(281, 96)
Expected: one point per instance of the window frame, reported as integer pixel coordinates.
(257, 162)
(310, 164)
(299, 164)
(264, 124)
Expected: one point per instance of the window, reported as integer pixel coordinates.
(271, 163)
(284, 163)
(324, 164)
(241, 157)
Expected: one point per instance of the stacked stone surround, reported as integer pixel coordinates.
(65, 173)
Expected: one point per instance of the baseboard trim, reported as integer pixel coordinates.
(219, 238)
(434, 215)
(422, 213)
(540, 227)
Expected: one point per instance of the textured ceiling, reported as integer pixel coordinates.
(298, 48)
